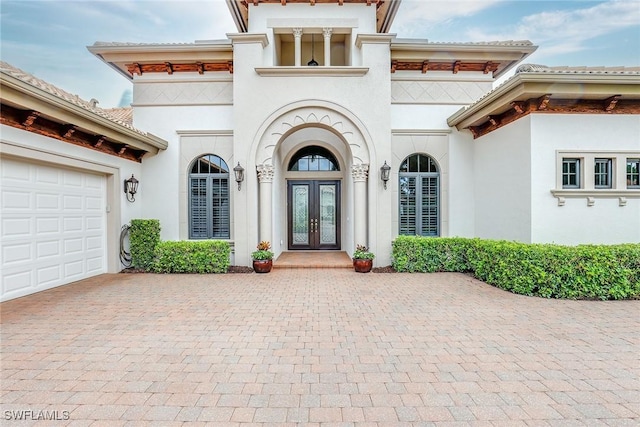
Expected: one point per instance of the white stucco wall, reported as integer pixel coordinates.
(576, 223)
(163, 176)
(502, 179)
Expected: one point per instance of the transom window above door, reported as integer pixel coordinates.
(313, 158)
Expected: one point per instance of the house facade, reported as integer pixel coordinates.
(344, 134)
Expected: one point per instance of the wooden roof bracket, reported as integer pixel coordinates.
(492, 120)
(31, 118)
(230, 65)
(487, 67)
(543, 101)
(67, 131)
(200, 67)
(456, 67)
(611, 102)
(122, 150)
(518, 106)
(425, 66)
(169, 67)
(394, 65)
(99, 141)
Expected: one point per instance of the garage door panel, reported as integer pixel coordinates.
(16, 227)
(53, 227)
(48, 276)
(47, 225)
(47, 201)
(13, 282)
(16, 201)
(16, 253)
(48, 249)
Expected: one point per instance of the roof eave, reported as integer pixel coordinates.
(530, 85)
(20, 93)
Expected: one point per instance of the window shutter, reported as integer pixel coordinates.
(198, 208)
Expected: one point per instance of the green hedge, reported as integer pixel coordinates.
(188, 256)
(144, 237)
(550, 271)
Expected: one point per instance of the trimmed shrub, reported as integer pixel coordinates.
(144, 237)
(550, 271)
(189, 256)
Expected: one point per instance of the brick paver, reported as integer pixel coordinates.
(315, 347)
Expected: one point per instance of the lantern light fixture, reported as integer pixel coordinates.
(384, 173)
(131, 188)
(239, 172)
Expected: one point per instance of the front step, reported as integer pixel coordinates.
(313, 259)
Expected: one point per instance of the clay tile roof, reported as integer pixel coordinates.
(118, 118)
(535, 68)
(124, 114)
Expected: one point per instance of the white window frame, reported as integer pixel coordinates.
(599, 174)
(588, 189)
(571, 161)
(631, 160)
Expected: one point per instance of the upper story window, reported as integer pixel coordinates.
(570, 173)
(602, 173)
(633, 173)
(313, 158)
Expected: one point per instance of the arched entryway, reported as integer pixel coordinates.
(313, 201)
(293, 149)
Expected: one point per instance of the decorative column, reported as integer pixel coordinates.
(326, 33)
(359, 174)
(265, 176)
(297, 37)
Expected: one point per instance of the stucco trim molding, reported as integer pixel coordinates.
(592, 195)
(312, 71)
(313, 113)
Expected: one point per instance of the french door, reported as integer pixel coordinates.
(313, 220)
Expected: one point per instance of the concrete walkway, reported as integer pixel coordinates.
(315, 347)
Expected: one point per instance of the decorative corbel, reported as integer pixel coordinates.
(456, 67)
(122, 150)
(99, 141)
(474, 131)
(610, 103)
(487, 67)
(561, 201)
(134, 69)
(200, 67)
(425, 66)
(230, 66)
(518, 106)
(591, 201)
(492, 121)
(622, 201)
(543, 101)
(394, 64)
(169, 67)
(67, 131)
(31, 118)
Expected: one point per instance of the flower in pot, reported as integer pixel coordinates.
(362, 259)
(262, 258)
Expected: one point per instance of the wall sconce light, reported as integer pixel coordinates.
(131, 188)
(384, 173)
(239, 171)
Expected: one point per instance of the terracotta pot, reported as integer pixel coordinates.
(362, 265)
(262, 265)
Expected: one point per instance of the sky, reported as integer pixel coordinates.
(48, 38)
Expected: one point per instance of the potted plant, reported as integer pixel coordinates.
(262, 258)
(363, 259)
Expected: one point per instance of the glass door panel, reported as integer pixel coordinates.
(314, 214)
(300, 215)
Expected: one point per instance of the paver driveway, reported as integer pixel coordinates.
(316, 347)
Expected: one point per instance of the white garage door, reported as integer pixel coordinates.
(52, 224)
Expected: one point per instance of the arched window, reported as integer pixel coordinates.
(209, 198)
(419, 196)
(313, 158)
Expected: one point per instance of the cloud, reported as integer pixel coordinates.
(415, 18)
(566, 31)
